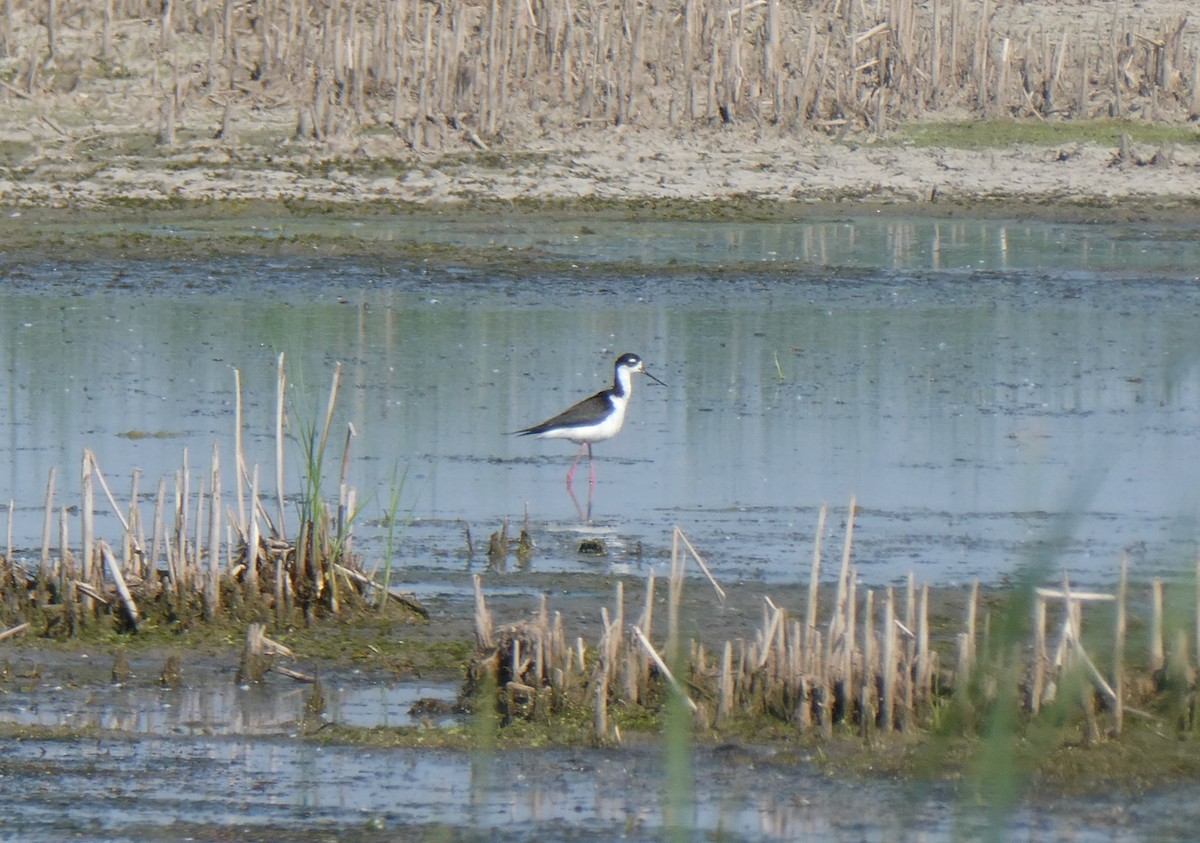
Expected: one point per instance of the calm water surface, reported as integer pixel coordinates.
(995, 394)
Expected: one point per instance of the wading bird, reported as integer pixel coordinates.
(594, 419)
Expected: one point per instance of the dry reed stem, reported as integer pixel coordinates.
(293, 674)
(1156, 626)
(889, 663)
(666, 671)
(280, 398)
(674, 594)
(703, 567)
(725, 697)
(135, 539)
(254, 662)
(837, 625)
(13, 631)
(48, 526)
(88, 519)
(600, 707)
(114, 573)
(870, 665)
(1118, 675)
(484, 638)
(213, 578)
(239, 455)
(1041, 655)
(814, 576)
(924, 655)
(65, 568)
(252, 536)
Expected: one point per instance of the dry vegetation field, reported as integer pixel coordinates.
(442, 73)
(299, 86)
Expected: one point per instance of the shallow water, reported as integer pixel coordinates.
(211, 704)
(995, 394)
(212, 760)
(114, 789)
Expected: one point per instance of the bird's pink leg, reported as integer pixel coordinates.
(591, 471)
(571, 471)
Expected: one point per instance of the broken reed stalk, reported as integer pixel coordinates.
(114, 572)
(666, 671)
(14, 631)
(700, 561)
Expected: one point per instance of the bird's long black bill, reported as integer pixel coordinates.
(656, 380)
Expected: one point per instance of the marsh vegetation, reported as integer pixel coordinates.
(473, 75)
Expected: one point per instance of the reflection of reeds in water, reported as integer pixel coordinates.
(460, 73)
(875, 665)
(200, 561)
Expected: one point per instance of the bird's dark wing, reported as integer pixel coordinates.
(585, 412)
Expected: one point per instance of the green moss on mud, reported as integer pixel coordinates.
(998, 134)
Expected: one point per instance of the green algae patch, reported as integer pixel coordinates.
(1141, 759)
(134, 435)
(1001, 134)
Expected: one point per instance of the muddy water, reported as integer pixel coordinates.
(997, 395)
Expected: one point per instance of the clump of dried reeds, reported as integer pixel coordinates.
(465, 73)
(872, 666)
(198, 557)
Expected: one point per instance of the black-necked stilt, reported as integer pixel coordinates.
(594, 419)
